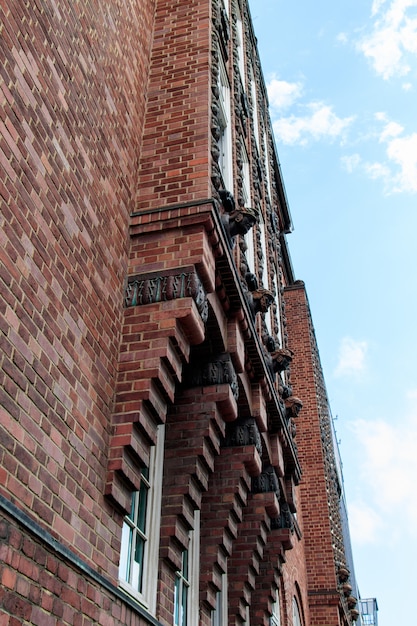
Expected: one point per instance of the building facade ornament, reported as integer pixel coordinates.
(285, 518)
(243, 432)
(218, 370)
(266, 481)
(160, 288)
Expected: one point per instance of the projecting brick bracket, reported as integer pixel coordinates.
(155, 345)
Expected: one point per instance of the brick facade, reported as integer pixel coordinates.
(138, 298)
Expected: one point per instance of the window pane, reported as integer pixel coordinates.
(133, 507)
(142, 507)
(134, 538)
(139, 553)
(185, 564)
(184, 607)
(125, 552)
(177, 601)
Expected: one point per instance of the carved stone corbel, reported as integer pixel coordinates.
(285, 518)
(260, 300)
(239, 222)
(293, 406)
(218, 371)
(243, 432)
(266, 481)
(281, 359)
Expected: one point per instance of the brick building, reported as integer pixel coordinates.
(166, 453)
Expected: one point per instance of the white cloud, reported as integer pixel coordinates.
(342, 38)
(392, 129)
(379, 171)
(398, 172)
(389, 468)
(376, 5)
(282, 93)
(352, 357)
(351, 162)
(319, 122)
(392, 44)
(403, 151)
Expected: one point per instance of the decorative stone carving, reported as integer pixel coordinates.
(243, 432)
(351, 602)
(355, 614)
(239, 222)
(281, 359)
(228, 201)
(285, 391)
(160, 288)
(218, 371)
(293, 406)
(278, 359)
(224, 31)
(251, 281)
(260, 300)
(343, 573)
(347, 589)
(285, 518)
(266, 481)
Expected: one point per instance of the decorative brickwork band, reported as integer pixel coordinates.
(147, 289)
(218, 371)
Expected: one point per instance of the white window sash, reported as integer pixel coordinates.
(147, 596)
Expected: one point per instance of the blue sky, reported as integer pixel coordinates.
(342, 84)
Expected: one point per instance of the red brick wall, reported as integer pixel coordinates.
(294, 576)
(72, 114)
(38, 587)
(178, 168)
(313, 497)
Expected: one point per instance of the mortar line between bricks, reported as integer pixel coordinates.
(53, 544)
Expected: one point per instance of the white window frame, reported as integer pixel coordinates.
(226, 6)
(263, 279)
(188, 582)
(246, 190)
(240, 48)
(225, 141)
(255, 110)
(278, 308)
(128, 577)
(276, 611)
(219, 615)
(182, 591)
(268, 173)
(296, 615)
(247, 198)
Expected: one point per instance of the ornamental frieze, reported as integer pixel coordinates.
(243, 432)
(218, 371)
(149, 289)
(285, 518)
(267, 481)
